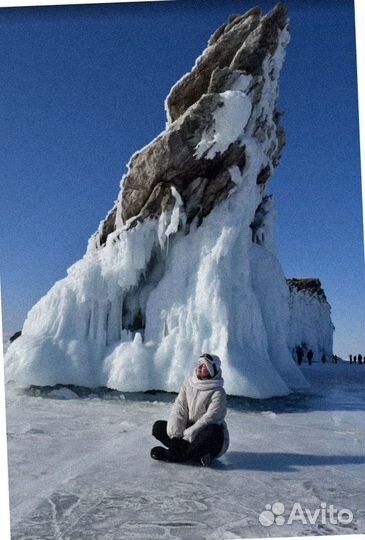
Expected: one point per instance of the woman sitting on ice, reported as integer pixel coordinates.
(195, 430)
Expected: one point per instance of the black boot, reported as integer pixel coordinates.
(175, 454)
(206, 460)
(160, 453)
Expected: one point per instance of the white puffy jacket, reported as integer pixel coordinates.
(199, 403)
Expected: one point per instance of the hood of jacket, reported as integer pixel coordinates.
(207, 384)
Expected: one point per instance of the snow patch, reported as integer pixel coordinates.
(229, 122)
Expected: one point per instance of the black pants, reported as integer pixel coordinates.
(209, 440)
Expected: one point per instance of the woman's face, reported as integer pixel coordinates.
(202, 371)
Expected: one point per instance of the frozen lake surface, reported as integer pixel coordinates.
(80, 467)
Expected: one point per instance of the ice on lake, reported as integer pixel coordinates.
(80, 466)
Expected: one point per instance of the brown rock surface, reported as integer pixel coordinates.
(237, 48)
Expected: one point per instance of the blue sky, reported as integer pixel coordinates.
(82, 88)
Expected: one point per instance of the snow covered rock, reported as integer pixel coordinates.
(185, 261)
(310, 324)
(208, 110)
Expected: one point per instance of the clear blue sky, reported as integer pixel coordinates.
(82, 88)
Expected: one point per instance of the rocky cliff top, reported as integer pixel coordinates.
(311, 286)
(226, 81)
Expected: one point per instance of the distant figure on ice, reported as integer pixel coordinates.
(300, 354)
(359, 358)
(350, 355)
(323, 358)
(196, 430)
(310, 356)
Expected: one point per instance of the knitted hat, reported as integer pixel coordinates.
(212, 363)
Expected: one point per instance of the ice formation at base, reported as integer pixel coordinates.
(185, 261)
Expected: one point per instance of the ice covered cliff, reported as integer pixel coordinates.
(310, 322)
(185, 261)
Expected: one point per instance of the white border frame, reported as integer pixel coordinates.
(360, 55)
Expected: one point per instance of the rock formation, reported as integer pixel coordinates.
(310, 322)
(185, 261)
(227, 78)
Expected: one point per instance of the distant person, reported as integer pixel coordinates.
(359, 359)
(300, 353)
(323, 358)
(195, 430)
(310, 356)
(350, 355)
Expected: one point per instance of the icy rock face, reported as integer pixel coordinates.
(310, 323)
(185, 261)
(208, 110)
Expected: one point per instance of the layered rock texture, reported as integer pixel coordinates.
(225, 84)
(185, 261)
